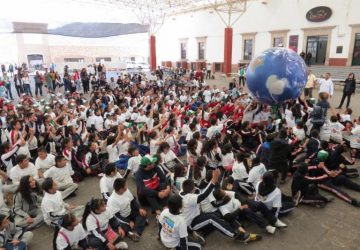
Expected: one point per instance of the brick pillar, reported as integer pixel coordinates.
(152, 46)
(228, 50)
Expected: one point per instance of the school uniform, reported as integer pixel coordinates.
(133, 164)
(169, 159)
(45, 164)
(309, 193)
(125, 208)
(73, 239)
(23, 210)
(8, 159)
(227, 160)
(53, 208)
(231, 212)
(11, 233)
(98, 225)
(240, 175)
(325, 182)
(63, 178)
(273, 200)
(174, 232)
(91, 160)
(68, 154)
(16, 173)
(106, 185)
(256, 173)
(213, 130)
(195, 220)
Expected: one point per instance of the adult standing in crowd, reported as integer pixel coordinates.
(48, 80)
(99, 69)
(38, 84)
(208, 71)
(85, 80)
(348, 90)
(310, 84)
(8, 86)
(326, 86)
(18, 85)
(242, 75)
(26, 81)
(11, 70)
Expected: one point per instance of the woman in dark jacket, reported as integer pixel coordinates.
(349, 89)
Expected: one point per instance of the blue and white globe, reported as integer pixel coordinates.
(276, 75)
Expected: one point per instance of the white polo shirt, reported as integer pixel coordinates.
(16, 173)
(54, 204)
(120, 203)
(231, 206)
(239, 171)
(326, 86)
(106, 183)
(134, 163)
(47, 163)
(256, 173)
(74, 236)
(59, 175)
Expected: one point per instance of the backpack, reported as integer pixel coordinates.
(318, 116)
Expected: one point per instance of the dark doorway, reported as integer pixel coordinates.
(317, 46)
(356, 53)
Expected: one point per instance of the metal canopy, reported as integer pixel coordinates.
(154, 12)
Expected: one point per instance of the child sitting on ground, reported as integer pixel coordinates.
(61, 175)
(107, 181)
(133, 163)
(126, 209)
(53, 206)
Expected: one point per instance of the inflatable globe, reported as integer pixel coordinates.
(276, 75)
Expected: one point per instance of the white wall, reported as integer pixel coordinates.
(260, 18)
(8, 49)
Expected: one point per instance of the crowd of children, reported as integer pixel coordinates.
(202, 159)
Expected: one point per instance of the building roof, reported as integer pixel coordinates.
(98, 30)
(88, 30)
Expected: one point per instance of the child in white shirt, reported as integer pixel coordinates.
(61, 175)
(53, 206)
(107, 181)
(134, 162)
(227, 157)
(44, 161)
(23, 168)
(70, 234)
(124, 207)
(336, 129)
(240, 173)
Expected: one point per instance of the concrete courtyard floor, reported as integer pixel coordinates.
(334, 227)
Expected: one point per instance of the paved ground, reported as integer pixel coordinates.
(334, 227)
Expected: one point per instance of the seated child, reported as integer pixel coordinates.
(173, 228)
(11, 236)
(61, 175)
(69, 234)
(53, 207)
(125, 207)
(107, 181)
(105, 231)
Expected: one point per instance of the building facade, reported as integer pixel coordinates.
(330, 33)
(76, 52)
